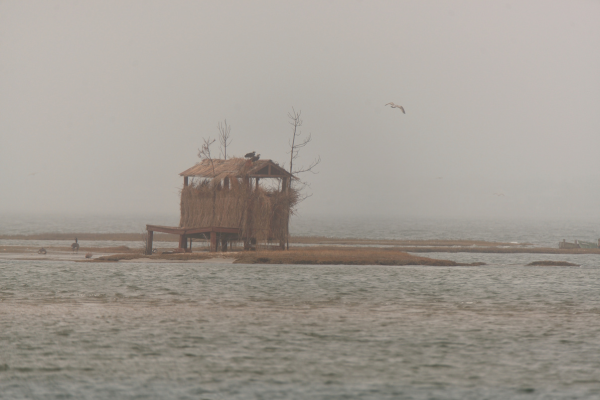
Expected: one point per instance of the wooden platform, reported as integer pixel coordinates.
(215, 233)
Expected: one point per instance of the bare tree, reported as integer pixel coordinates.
(204, 154)
(224, 140)
(204, 151)
(296, 143)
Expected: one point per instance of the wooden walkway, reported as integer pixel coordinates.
(215, 233)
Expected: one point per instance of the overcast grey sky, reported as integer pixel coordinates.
(104, 103)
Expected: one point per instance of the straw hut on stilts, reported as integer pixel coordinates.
(225, 201)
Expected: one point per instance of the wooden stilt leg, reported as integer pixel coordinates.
(224, 244)
(213, 241)
(184, 243)
(149, 243)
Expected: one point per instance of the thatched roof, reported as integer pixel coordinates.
(238, 168)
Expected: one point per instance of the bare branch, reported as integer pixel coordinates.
(310, 168)
(224, 140)
(296, 122)
(204, 151)
(296, 143)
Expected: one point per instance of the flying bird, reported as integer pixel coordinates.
(250, 155)
(499, 194)
(396, 106)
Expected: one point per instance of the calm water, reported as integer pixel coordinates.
(224, 331)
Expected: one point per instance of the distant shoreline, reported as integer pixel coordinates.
(300, 244)
(317, 240)
(314, 255)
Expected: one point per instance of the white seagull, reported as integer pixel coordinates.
(396, 106)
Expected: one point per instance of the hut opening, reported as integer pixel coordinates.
(234, 200)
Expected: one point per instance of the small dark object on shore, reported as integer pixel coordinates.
(42, 251)
(75, 246)
(552, 264)
(88, 255)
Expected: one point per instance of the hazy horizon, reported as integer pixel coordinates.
(103, 104)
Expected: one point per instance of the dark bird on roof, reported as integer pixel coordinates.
(396, 106)
(255, 158)
(250, 155)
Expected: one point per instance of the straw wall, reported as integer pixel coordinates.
(259, 213)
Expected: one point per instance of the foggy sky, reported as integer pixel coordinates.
(104, 103)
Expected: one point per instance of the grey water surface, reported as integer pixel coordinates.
(214, 331)
(228, 331)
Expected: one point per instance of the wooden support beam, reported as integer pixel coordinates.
(190, 231)
(213, 241)
(149, 243)
(183, 242)
(185, 181)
